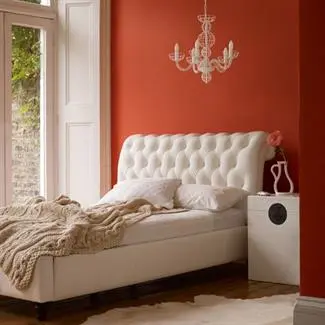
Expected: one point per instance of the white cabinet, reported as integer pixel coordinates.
(273, 239)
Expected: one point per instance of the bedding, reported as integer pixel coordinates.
(208, 197)
(187, 223)
(60, 228)
(159, 191)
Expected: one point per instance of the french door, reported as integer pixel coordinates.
(27, 119)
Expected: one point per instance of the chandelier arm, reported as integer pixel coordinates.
(218, 66)
(179, 67)
(195, 69)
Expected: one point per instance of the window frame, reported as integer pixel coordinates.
(30, 15)
(29, 9)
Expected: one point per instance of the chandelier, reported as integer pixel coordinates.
(199, 57)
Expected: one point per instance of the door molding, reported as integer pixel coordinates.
(2, 116)
(105, 96)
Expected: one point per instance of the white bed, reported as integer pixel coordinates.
(170, 244)
(189, 223)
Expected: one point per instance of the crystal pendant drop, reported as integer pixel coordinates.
(206, 77)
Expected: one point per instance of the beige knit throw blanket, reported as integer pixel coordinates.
(59, 228)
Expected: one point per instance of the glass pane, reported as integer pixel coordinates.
(26, 99)
(41, 2)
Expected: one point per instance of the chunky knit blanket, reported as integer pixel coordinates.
(59, 228)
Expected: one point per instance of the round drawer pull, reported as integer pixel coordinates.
(278, 214)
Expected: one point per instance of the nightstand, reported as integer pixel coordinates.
(273, 239)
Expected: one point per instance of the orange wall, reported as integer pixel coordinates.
(312, 136)
(260, 92)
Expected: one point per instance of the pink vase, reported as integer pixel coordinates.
(280, 169)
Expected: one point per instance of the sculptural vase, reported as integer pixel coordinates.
(279, 170)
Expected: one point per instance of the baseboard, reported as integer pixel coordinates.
(309, 311)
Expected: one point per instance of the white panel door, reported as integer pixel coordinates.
(78, 93)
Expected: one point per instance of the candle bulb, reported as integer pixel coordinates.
(225, 55)
(193, 56)
(176, 51)
(231, 47)
(197, 48)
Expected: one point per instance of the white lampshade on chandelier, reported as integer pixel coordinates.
(199, 57)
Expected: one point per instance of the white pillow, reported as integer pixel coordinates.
(207, 197)
(159, 192)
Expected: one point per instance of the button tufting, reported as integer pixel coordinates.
(196, 158)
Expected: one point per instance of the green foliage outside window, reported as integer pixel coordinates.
(26, 60)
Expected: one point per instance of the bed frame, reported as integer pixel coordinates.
(235, 159)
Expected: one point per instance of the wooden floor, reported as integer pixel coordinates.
(229, 281)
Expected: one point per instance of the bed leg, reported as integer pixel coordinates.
(41, 311)
(134, 294)
(94, 300)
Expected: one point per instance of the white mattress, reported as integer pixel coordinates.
(166, 226)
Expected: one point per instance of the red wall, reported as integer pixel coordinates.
(259, 92)
(312, 136)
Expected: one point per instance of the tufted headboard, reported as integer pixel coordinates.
(223, 159)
